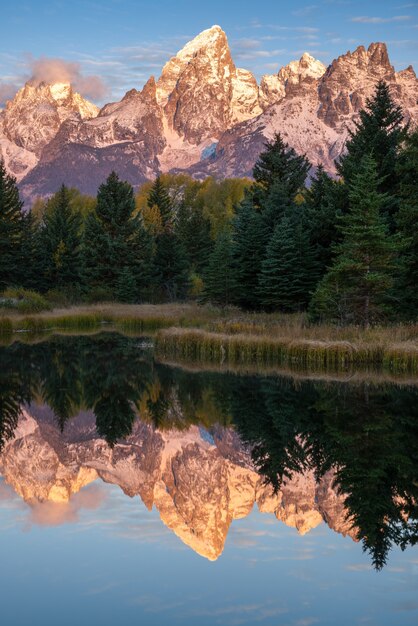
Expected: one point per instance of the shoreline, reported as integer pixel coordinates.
(231, 338)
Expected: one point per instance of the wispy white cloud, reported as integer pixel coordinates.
(307, 10)
(359, 567)
(276, 27)
(52, 70)
(364, 19)
(300, 29)
(235, 614)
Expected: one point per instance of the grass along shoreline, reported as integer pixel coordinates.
(134, 318)
(230, 337)
(250, 350)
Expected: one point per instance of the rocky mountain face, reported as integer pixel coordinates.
(203, 115)
(275, 87)
(316, 113)
(32, 119)
(199, 481)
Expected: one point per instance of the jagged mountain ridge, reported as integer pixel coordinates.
(204, 116)
(316, 114)
(199, 481)
(32, 119)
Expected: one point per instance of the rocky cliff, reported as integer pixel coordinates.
(203, 115)
(32, 119)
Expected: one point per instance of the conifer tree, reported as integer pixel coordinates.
(33, 255)
(219, 278)
(279, 174)
(406, 290)
(248, 253)
(356, 286)
(289, 271)
(193, 231)
(171, 268)
(321, 216)
(379, 133)
(170, 262)
(280, 163)
(126, 287)
(61, 240)
(115, 239)
(11, 231)
(159, 197)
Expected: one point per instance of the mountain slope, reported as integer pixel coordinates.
(203, 116)
(316, 113)
(32, 119)
(171, 122)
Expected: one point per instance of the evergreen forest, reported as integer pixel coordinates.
(343, 249)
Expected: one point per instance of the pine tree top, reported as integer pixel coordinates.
(379, 132)
(159, 197)
(280, 163)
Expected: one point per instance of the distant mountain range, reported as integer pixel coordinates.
(203, 116)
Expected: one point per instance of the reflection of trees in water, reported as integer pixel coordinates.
(367, 434)
(106, 373)
(15, 385)
(58, 365)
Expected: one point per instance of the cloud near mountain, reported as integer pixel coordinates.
(49, 70)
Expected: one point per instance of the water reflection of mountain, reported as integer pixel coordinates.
(208, 446)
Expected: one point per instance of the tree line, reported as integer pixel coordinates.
(345, 249)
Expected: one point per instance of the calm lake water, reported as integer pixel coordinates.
(133, 492)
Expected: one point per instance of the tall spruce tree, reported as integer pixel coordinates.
(355, 288)
(115, 239)
(249, 234)
(279, 162)
(33, 254)
(406, 291)
(126, 287)
(378, 133)
(193, 231)
(322, 217)
(159, 197)
(289, 271)
(12, 265)
(171, 267)
(279, 174)
(170, 262)
(61, 237)
(219, 278)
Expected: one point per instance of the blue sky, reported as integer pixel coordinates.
(110, 46)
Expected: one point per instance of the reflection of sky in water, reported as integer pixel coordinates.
(104, 560)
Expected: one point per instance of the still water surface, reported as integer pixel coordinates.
(137, 492)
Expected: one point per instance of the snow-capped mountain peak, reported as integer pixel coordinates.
(60, 91)
(202, 115)
(206, 39)
(32, 119)
(274, 87)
